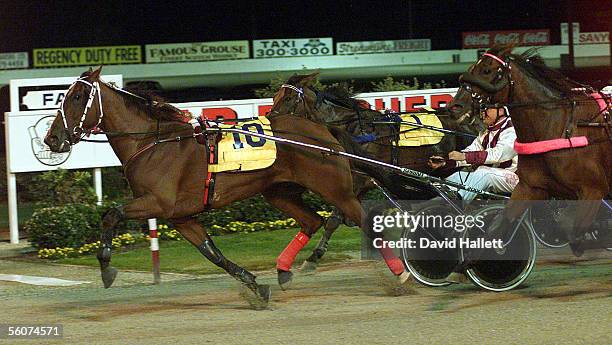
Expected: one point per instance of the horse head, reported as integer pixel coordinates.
(79, 114)
(297, 97)
(489, 79)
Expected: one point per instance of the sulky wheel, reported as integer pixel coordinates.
(546, 223)
(430, 266)
(506, 268)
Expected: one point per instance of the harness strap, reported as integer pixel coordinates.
(136, 154)
(537, 147)
(502, 165)
(604, 108)
(209, 183)
(496, 58)
(365, 138)
(569, 128)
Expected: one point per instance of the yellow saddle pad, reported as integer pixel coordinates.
(418, 136)
(239, 152)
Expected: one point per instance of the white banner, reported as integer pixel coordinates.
(25, 131)
(14, 60)
(592, 37)
(373, 47)
(29, 95)
(27, 151)
(293, 47)
(199, 51)
(395, 100)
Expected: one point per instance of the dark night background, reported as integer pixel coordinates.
(25, 25)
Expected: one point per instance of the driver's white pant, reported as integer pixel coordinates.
(485, 178)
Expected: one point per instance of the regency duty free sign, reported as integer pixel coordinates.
(112, 55)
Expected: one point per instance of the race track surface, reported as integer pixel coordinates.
(565, 301)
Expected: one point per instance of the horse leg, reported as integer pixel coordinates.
(140, 208)
(361, 187)
(522, 197)
(331, 225)
(109, 221)
(196, 235)
(587, 207)
(354, 211)
(292, 204)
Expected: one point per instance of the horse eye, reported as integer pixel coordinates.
(487, 71)
(77, 97)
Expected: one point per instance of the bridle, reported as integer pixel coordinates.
(79, 131)
(320, 99)
(300, 98)
(502, 79)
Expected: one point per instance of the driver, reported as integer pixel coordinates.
(491, 157)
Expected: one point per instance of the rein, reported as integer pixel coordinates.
(152, 145)
(209, 128)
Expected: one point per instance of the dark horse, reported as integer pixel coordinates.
(168, 179)
(338, 109)
(564, 134)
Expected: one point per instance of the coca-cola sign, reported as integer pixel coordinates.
(486, 39)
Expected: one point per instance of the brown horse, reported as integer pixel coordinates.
(564, 134)
(168, 178)
(337, 108)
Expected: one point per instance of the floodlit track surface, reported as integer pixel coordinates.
(566, 300)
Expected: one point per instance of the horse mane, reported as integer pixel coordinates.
(153, 105)
(533, 63)
(341, 95)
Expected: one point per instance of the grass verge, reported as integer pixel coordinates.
(253, 251)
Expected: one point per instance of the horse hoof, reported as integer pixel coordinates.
(457, 278)
(257, 297)
(284, 279)
(398, 285)
(108, 276)
(264, 292)
(308, 267)
(403, 278)
(577, 248)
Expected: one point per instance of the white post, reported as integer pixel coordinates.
(154, 250)
(11, 183)
(98, 184)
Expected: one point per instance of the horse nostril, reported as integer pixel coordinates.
(455, 108)
(51, 140)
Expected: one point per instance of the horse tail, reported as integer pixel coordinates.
(399, 185)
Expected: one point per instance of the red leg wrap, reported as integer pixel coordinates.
(285, 260)
(393, 262)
